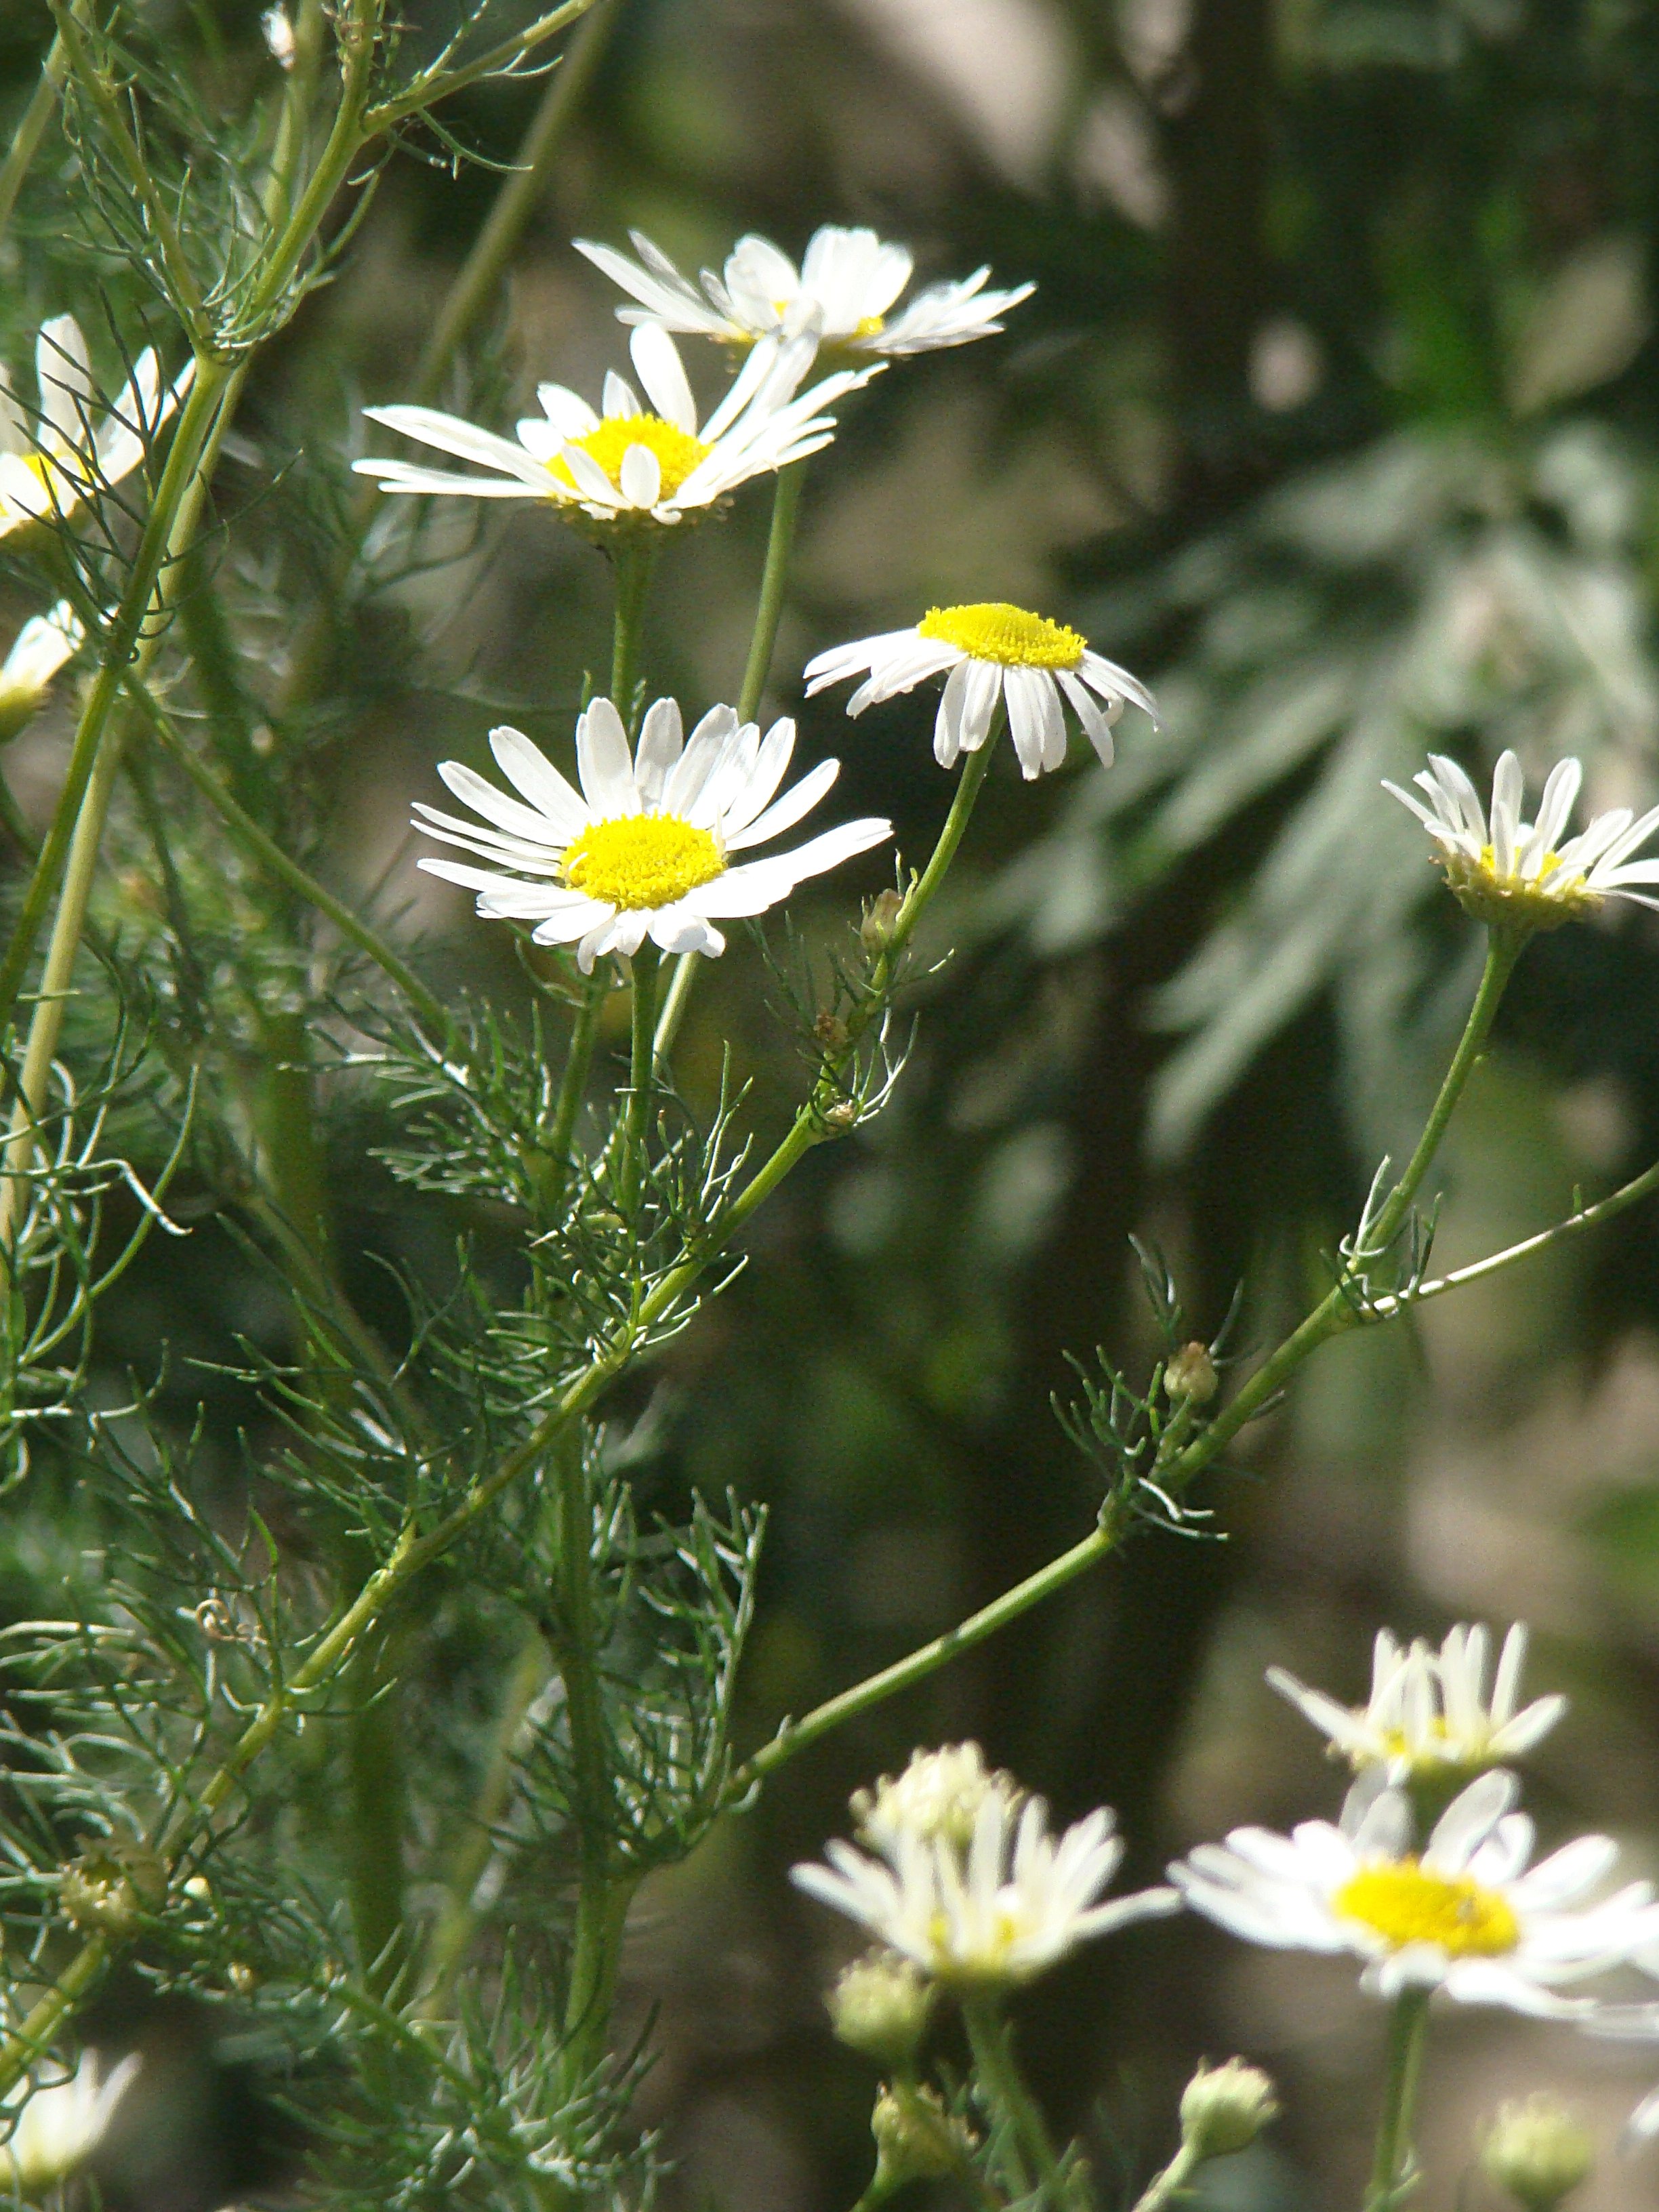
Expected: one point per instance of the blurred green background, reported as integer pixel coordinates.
(1335, 416)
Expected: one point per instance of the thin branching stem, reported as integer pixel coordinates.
(31, 128)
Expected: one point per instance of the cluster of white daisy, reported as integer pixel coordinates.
(967, 1892)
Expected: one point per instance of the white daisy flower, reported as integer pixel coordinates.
(1429, 1711)
(645, 848)
(1513, 873)
(939, 1794)
(38, 651)
(53, 2129)
(843, 292)
(999, 1906)
(1465, 1916)
(994, 653)
(79, 444)
(633, 462)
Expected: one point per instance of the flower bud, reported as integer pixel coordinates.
(1225, 2108)
(110, 1888)
(916, 2139)
(1190, 1373)
(830, 1031)
(278, 28)
(879, 2006)
(1538, 2152)
(876, 930)
(842, 1117)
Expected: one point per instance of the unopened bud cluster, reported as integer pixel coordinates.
(917, 2138)
(876, 930)
(1190, 1373)
(1537, 2151)
(1225, 2108)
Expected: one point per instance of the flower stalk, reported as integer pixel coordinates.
(1394, 2166)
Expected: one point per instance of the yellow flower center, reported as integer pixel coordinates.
(869, 326)
(51, 480)
(995, 631)
(677, 450)
(1405, 1906)
(641, 861)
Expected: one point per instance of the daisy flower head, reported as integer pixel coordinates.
(1519, 875)
(75, 443)
(38, 651)
(632, 463)
(1430, 1713)
(843, 293)
(646, 848)
(996, 1909)
(1467, 1916)
(54, 2127)
(939, 1794)
(991, 654)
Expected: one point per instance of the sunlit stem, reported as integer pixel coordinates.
(768, 611)
(633, 559)
(1394, 2167)
(641, 1064)
(1164, 2187)
(30, 130)
(1010, 2102)
(78, 829)
(573, 1081)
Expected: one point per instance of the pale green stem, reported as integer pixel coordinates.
(1010, 2102)
(1164, 2188)
(214, 385)
(636, 1125)
(458, 1917)
(26, 139)
(634, 560)
(1394, 2167)
(768, 611)
(573, 1083)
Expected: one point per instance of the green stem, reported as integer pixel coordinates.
(1393, 2168)
(1503, 950)
(482, 272)
(214, 384)
(1164, 2188)
(375, 1831)
(573, 1083)
(636, 1126)
(768, 611)
(458, 1915)
(27, 140)
(601, 1894)
(270, 854)
(775, 579)
(1009, 2100)
(634, 559)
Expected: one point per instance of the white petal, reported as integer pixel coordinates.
(529, 772)
(656, 358)
(619, 398)
(798, 801)
(603, 762)
(641, 477)
(1507, 793)
(662, 743)
(450, 434)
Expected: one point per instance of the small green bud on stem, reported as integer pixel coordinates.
(1191, 1374)
(879, 2006)
(1225, 2108)
(876, 930)
(916, 2139)
(1538, 2152)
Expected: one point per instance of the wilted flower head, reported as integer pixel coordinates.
(1538, 2151)
(994, 653)
(998, 1909)
(645, 848)
(1521, 875)
(78, 443)
(631, 466)
(842, 293)
(56, 2126)
(1466, 1915)
(1429, 1711)
(939, 1794)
